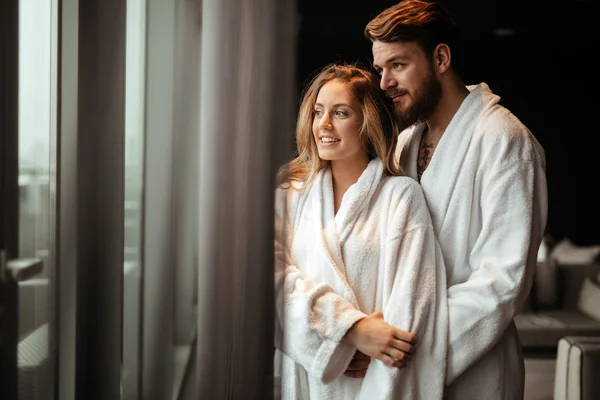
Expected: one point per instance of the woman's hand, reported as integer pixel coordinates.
(358, 366)
(375, 338)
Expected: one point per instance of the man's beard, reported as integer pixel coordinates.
(425, 102)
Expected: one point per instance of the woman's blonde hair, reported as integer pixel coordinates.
(378, 131)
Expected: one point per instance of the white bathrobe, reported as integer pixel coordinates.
(377, 253)
(486, 190)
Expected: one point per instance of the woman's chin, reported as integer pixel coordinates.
(328, 155)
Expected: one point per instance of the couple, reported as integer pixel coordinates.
(406, 256)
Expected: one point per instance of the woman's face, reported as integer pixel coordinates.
(336, 123)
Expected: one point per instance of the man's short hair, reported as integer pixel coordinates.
(423, 22)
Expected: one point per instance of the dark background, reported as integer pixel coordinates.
(545, 72)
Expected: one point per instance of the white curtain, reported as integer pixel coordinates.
(246, 129)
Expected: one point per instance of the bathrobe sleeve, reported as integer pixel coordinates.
(513, 218)
(312, 317)
(415, 300)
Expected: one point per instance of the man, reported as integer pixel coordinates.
(483, 175)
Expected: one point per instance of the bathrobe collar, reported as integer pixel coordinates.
(336, 228)
(438, 180)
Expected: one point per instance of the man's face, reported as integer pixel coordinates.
(409, 79)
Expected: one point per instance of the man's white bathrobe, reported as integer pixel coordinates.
(377, 253)
(486, 189)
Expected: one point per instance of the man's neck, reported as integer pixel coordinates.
(453, 94)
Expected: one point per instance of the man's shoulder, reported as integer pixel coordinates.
(502, 135)
(498, 122)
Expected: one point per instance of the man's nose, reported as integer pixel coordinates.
(387, 81)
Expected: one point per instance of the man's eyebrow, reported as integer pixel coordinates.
(397, 57)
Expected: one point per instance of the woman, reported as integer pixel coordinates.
(358, 244)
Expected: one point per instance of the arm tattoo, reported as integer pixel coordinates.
(423, 161)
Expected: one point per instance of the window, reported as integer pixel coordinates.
(37, 192)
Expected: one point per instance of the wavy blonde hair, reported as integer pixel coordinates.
(378, 132)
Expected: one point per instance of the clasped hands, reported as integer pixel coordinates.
(374, 338)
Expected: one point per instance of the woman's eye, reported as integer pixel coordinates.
(341, 113)
(317, 112)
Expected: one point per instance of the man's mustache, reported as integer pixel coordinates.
(394, 93)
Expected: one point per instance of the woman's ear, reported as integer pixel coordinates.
(442, 57)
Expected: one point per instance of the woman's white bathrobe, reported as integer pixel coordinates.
(377, 253)
(486, 189)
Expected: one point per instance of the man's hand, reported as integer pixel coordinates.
(375, 338)
(358, 366)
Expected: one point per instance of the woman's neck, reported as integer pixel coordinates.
(344, 174)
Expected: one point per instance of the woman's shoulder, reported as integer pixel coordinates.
(402, 187)
(293, 184)
(289, 188)
(405, 199)
(288, 195)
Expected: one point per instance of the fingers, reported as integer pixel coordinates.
(398, 333)
(399, 355)
(405, 336)
(402, 346)
(361, 356)
(400, 351)
(392, 362)
(356, 374)
(358, 365)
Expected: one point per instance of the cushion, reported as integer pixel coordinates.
(544, 329)
(589, 299)
(544, 293)
(570, 280)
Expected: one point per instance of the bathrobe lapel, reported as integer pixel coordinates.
(336, 228)
(439, 179)
(357, 199)
(325, 216)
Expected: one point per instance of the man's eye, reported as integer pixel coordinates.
(397, 65)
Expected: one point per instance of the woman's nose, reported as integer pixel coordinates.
(325, 122)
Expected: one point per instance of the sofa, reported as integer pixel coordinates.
(562, 306)
(559, 326)
(577, 368)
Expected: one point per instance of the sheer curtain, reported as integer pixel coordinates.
(246, 130)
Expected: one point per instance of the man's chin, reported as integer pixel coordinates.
(404, 121)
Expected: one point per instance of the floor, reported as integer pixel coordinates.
(539, 376)
(539, 379)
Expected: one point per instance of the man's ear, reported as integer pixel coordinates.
(442, 58)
